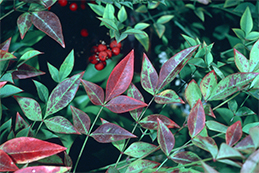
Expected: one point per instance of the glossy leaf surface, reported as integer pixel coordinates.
(6, 163)
(246, 145)
(148, 75)
(120, 77)
(246, 22)
(226, 151)
(165, 137)
(8, 90)
(150, 122)
(94, 92)
(168, 96)
(234, 133)
(110, 132)
(184, 157)
(45, 169)
(251, 164)
(208, 83)
(60, 124)
(25, 71)
(173, 66)
(139, 149)
(27, 149)
(81, 120)
(140, 165)
(4, 55)
(196, 119)
(67, 66)
(123, 103)
(192, 93)
(216, 126)
(42, 91)
(49, 23)
(241, 61)
(27, 56)
(24, 23)
(30, 108)
(231, 84)
(254, 60)
(63, 94)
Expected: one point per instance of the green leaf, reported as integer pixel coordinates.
(160, 29)
(42, 91)
(168, 96)
(240, 33)
(199, 13)
(226, 114)
(67, 66)
(189, 40)
(164, 19)
(244, 111)
(254, 133)
(30, 108)
(251, 163)
(140, 165)
(247, 127)
(207, 84)
(119, 144)
(254, 57)
(28, 55)
(98, 9)
(241, 61)
(252, 36)
(9, 90)
(109, 12)
(4, 56)
(226, 151)
(139, 149)
(192, 93)
(135, 31)
(141, 26)
(122, 14)
(216, 126)
(53, 72)
(246, 22)
(109, 23)
(143, 39)
(24, 23)
(142, 9)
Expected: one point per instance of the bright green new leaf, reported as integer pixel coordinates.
(98, 9)
(240, 33)
(208, 83)
(199, 12)
(67, 66)
(42, 91)
(189, 40)
(142, 9)
(254, 35)
(160, 29)
(164, 19)
(226, 151)
(53, 72)
(141, 26)
(109, 12)
(119, 144)
(192, 93)
(143, 39)
(139, 149)
(246, 22)
(241, 61)
(247, 127)
(254, 57)
(109, 23)
(28, 55)
(122, 14)
(9, 90)
(216, 126)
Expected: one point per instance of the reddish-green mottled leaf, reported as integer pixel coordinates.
(231, 84)
(184, 157)
(110, 132)
(139, 149)
(168, 96)
(4, 55)
(27, 149)
(150, 122)
(60, 124)
(251, 164)
(63, 94)
(24, 23)
(20, 123)
(148, 75)
(207, 168)
(120, 77)
(49, 23)
(136, 94)
(234, 133)
(94, 92)
(5, 45)
(226, 151)
(140, 165)
(208, 111)
(45, 169)
(173, 66)
(165, 137)
(254, 133)
(30, 108)
(241, 61)
(28, 55)
(2, 84)
(254, 57)
(81, 120)
(192, 93)
(246, 145)
(206, 143)
(208, 83)
(196, 119)
(6, 163)
(119, 144)
(123, 104)
(25, 71)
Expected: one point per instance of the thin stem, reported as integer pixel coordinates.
(162, 164)
(14, 9)
(82, 149)
(244, 101)
(225, 101)
(39, 128)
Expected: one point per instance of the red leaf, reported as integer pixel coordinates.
(24, 23)
(2, 84)
(27, 149)
(168, 96)
(196, 119)
(94, 92)
(120, 77)
(165, 138)
(150, 122)
(4, 55)
(110, 132)
(5, 45)
(246, 145)
(25, 71)
(173, 66)
(49, 23)
(6, 163)
(234, 133)
(141, 165)
(44, 169)
(148, 76)
(184, 157)
(81, 120)
(123, 104)
(20, 123)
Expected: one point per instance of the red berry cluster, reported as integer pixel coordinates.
(102, 53)
(73, 6)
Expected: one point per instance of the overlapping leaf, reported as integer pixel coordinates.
(254, 60)
(148, 75)
(6, 163)
(173, 66)
(226, 151)
(140, 165)
(165, 137)
(94, 92)
(184, 157)
(246, 145)
(234, 133)
(67, 66)
(49, 23)
(2, 84)
(231, 84)
(5, 45)
(110, 132)
(196, 119)
(4, 55)
(208, 83)
(25, 71)
(192, 93)
(20, 123)
(8, 90)
(168, 96)
(150, 122)
(123, 104)
(42, 91)
(120, 78)
(45, 169)
(241, 61)
(139, 149)
(251, 164)
(27, 56)
(207, 168)
(24, 23)
(27, 149)
(254, 132)
(81, 120)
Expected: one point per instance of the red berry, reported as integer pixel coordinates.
(100, 65)
(62, 3)
(94, 49)
(116, 50)
(73, 7)
(115, 44)
(49, 8)
(101, 47)
(93, 59)
(109, 53)
(102, 56)
(82, 6)
(84, 33)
